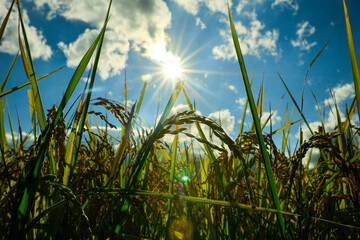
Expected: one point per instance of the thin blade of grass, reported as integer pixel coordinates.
(212, 202)
(208, 149)
(3, 140)
(88, 97)
(30, 71)
(172, 175)
(245, 108)
(27, 186)
(143, 153)
(8, 73)
(11, 127)
(354, 65)
(307, 72)
(71, 142)
(3, 94)
(6, 19)
(145, 149)
(269, 172)
(296, 105)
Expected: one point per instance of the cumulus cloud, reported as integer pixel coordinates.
(275, 118)
(254, 40)
(200, 23)
(29, 137)
(137, 22)
(241, 102)
(179, 108)
(193, 6)
(341, 94)
(113, 55)
(232, 88)
(227, 120)
(291, 4)
(304, 30)
(9, 42)
(190, 6)
(218, 5)
(246, 3)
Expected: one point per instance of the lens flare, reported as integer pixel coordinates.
(185, 178)
(170, 64)
(172, 68)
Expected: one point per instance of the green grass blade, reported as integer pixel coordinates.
(88, 97)
(297, 106)
(145, 149)
(172, 174)
(11, 127)
(30, 71)
(26, 189)
(71, 142)
(8, 73)
(142, 94)
(5, 21)
(253, 109)
(32, 112)
(307, 72)
(354, 65)
(208, 149)
(245, 108)
(3, 140)
(3, 94)
(212, 202)
(78, 74)
(119, 162)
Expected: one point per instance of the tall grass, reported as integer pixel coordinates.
(77, 185)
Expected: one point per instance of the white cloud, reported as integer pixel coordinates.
(218, 5)
(179, 108)
(193, 6)
(275, 118)
(341, 94)
(138, 22)
(113, 55)
(246, 3)
(304, 30)
(29, 138)
(227, 120)
(241, 5)
(254, 40)
(292, 4)
(241, 102)
(190, 6)
(10, 42)
(200, 23)
(232, 88)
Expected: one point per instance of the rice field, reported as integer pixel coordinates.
(72, 182)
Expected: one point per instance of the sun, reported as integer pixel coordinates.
(171, 68)
(170, 64)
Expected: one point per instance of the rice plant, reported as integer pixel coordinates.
(83, 184)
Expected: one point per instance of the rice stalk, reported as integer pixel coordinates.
(254, 112)
(354, 65)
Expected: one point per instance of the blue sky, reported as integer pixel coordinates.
(276, 36)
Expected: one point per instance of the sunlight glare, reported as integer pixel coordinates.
(172, 68)
(171, 64)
